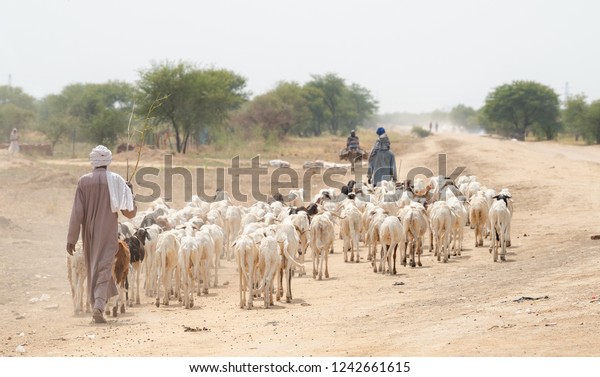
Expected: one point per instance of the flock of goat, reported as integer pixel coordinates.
(180, 250)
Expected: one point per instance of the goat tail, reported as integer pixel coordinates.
(243, 270)
(288, 256)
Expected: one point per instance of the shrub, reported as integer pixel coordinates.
(420, 132)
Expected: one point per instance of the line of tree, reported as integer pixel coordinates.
(516, 110)
(205, 104)
(200, 104)
(325, 104)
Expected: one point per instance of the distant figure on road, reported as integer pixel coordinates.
(13, 148)
(436, 127)
(382, 162)
(352, 152)
(352, 142)
(430, 127)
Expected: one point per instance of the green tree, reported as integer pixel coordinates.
(17, 110)
(358, 105)
(320, 117)
(279, 112)
(99, 111)
(341, 106)
(464, 116)
(54, 120)
(592, 127)
(195, 101)
(514, 109)
(573, 115)
(333, 88)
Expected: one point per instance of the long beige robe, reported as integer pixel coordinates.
(92, 214)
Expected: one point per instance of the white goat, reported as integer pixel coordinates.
(149, 266)
(391, 234)
(415, 223)
(246, 255)
(216, 233)
(77, 275)
(233, 225)
(500, 217)
(302, 226)
(321, 240)
(350, 229)
(377, 216)
(478, 214)
(460, 221)
(441, 220)
(167, 250)
(269, 260)
(288, 240)
(189, 260)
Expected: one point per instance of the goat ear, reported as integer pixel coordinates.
(495, 197)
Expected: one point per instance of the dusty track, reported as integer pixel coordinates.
(463, 308)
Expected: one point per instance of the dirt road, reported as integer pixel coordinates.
(467, 307)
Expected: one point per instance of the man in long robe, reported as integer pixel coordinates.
(382, 162)
(95, 213)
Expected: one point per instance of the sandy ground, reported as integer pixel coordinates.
(466, 307)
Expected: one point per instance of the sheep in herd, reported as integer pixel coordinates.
(350, 229)
(216, 233)
(120, 271)
(509, 204)
(233, 225)
(152, 233)
(324, 195)
(372, 239)
(321, 240)
(276, 208)
(391, 235)
(288, 240)
(249, 219)
(415, 224)
(268, 263)
(188, 259)
(206, 251)
(77, 275)
(136, 257)
(404, 199)
(478, 214)
(365, 213)
(500, 218)
(488, 194)
(296, 198)
(126, 230)
(388, 201)
(440, 185)
(246, 256)
(441, 220)
(460, 221)
(302, 225)
(167, 250)
(473, 189)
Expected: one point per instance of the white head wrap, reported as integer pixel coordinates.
(100, 156)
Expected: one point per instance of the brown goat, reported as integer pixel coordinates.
(120, 271)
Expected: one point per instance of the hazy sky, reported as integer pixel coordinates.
(414, 56)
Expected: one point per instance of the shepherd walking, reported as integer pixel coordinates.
(100, 195)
